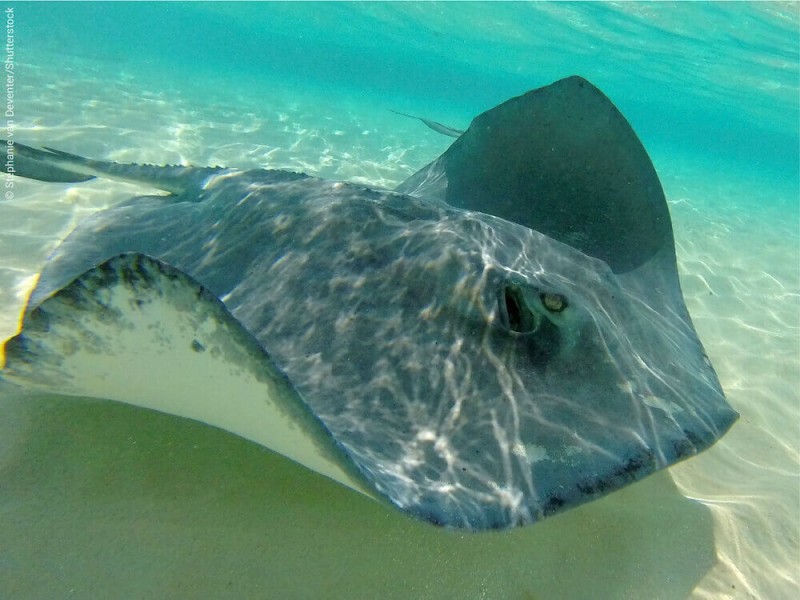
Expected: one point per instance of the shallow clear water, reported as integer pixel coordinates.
(711, 89)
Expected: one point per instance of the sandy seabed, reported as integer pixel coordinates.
(100, 500)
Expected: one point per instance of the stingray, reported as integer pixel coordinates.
(499, 339)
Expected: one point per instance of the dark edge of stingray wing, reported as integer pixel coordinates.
(134, 325)
(561, 160)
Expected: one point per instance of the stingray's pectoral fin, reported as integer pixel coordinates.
(563, 161)
(136, 330)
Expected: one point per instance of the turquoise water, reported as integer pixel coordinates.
(716, 80)
(711, 89)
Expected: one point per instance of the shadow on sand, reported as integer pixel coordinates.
(102, 500)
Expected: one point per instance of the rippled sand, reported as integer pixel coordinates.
(100, 500)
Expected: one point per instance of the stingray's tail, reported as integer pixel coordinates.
(44, 165)
(47, 164)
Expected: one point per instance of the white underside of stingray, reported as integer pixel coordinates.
(149, 336)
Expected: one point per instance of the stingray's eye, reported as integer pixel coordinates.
(554, 302)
